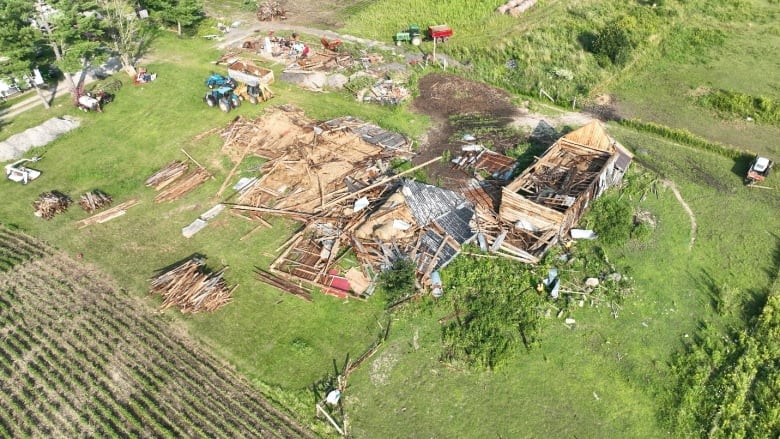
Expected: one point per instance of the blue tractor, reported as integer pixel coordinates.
(216, 80)
(222, 97)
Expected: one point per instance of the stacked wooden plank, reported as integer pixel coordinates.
(50, 204)
(92, 201)
(191, 288)
(183, 186)
(107, 214)
(167, 175)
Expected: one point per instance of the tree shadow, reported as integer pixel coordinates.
(587, 40)
(742, 164)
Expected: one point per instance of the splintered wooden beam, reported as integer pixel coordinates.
(379, 183)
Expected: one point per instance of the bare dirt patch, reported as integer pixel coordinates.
(458, 105)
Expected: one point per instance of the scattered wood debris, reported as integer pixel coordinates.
(50, 204)
(271, 10)
(190, 287)
(183, 186)
(167, 175)
(108, 214)
(385, 91)
(283, 284)
(92, 201)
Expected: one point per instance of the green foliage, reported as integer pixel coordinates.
(740, 105)
(397, 282)
(611, 217)
(685, 137)
(617, 40)
(497, 311)
(728, 381)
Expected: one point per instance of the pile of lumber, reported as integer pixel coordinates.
(183, 186)
(92, 201)
(271, 10)
(51, 203)
(107, 214)
(167, 175)
(190, 287)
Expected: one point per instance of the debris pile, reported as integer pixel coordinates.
(167, 175)
(515, 7)
(51, 203)
(92, 201)
(108, 214)
(183, 186)
(271, 10)
(336, 178)
(385, 91)
(191, 288)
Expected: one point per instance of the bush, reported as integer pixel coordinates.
(612, 219)
(397, 282)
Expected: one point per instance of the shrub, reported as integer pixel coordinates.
(397, 282)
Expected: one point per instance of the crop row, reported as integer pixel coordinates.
(81, 357)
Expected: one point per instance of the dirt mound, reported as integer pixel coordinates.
(444, 95)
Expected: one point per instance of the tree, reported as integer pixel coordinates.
(129, 34)
(183, 13)
(19, 41)
(73, 29)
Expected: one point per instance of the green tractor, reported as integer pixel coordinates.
(412, 35)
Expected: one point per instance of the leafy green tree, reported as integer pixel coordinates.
(73, 29)
(182, 13)
(727, 383)
(19, 41)
(130, 35)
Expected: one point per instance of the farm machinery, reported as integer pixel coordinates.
(215, 80)
(438, 34)
(97, 95)
(245, 81)
(222, 97)
(758, 170)
(19, 173)
(412, 35)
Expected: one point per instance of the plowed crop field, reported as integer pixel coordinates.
(79, 357)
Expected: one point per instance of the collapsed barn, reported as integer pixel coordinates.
(336, 178)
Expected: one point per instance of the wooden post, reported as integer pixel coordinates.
(332, 421)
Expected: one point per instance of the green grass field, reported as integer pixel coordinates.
(609, 376)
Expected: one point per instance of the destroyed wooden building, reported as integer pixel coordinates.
(550, 196)
(335, 178)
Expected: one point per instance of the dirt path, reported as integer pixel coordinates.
(236, 36)
(694, 226)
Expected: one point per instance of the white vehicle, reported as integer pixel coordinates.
(22, 174)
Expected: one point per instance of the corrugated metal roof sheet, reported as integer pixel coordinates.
(456, 223)
(429, 202)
